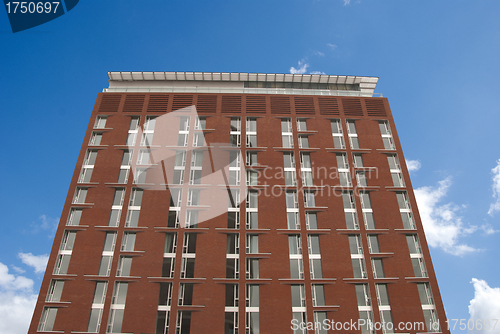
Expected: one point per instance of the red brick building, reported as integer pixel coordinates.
(239, 203)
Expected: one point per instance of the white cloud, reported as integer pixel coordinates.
(44, 223)
(413, 165)
(496, 189)
(485, 305)
(302, 68)
(17, 302)
(442, 225)
(319, 53)
(316, 72)
(346, 2)
(18, 270)
(39, 262)
(333, 46)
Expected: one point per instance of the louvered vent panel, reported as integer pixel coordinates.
(375, 107)
(110, 102)
(304, 105)
(352, 107)
(133, 103)
(207, 104)
(182, 101)
(231, 104)
(158, 103)
(328, 106)
(280, 105)
(255, 104)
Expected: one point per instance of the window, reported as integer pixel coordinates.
(343, 170)
(100, 122)
(320, 317)
(233, 220)
(88, 166)
(232, 268)
(191, 218)
(183, 325)
(299, 317)
(363, 295)
(314, 256)
(413, 244)
(251, 132)
(143, 157)
(140, 175)
(233, 243)
(361, 179)
(252, 244)
(74, 217)
(117, 308)
(303, 141)
(309, 199)
(200, 123)
(55, 291)
(298, 295)
(97, 307)
(425, 293)
(134, 208)
(286, 133)
(186, 294)
(292, 210)
(353, 136)
(419, 268)
(373, 244)
(358, 160)
(128, 242)
(367, 210)
(318, 294)
(350, 210)
(116, 208)
(355, 245)
(95, 139)
(148, 131)
(107, 254)
(378, 268)
(62, 263)
(301, 124)
(252, 309)
(294, 244)
(80, 195)
(68, 241)
(235, 134)
(251, 158)
(358, 267)
(305, 165)
(187, 267)
(252, 177)
(338, 139)
(168, 267)
(193, 197)
(252, 268)
(47, 319)
(386, 135)
(132, 131)
(231, 308)
(311, 221)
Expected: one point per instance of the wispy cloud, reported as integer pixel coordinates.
(496, 189)
(316, 72)
(332, 46)
(442, 224)
(44, 223)
(346, 2)
(319, 53)
(38, 262)
(484, 305)
(301, 68)
(413, 165)
(17, 302)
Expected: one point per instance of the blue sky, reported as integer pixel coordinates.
(438, 63)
